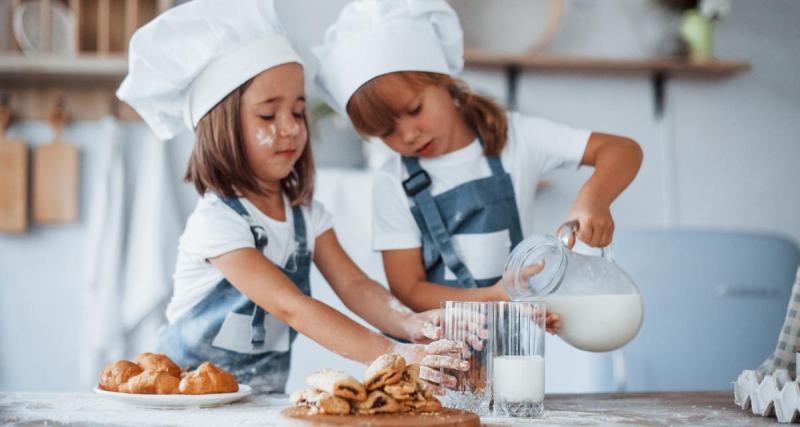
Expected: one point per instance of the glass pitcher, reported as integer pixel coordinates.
(599, 305)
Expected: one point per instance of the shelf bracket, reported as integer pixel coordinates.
(658, 81)
(512, 80)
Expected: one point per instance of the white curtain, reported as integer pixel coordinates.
(103, 333)
(153, 232)
(132, 246)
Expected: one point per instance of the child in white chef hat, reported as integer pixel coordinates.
(225, 70)
(458, 199)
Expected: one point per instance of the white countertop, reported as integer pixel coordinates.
(689, 408)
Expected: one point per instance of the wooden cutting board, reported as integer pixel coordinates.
(55, 183)
(13, 186)
(299, 416)
(56, 168)
(13, 178)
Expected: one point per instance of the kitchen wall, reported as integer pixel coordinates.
(723, 156)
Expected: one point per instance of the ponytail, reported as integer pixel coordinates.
(486, 116)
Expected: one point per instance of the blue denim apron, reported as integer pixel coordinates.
(231, 331)
(479, 206)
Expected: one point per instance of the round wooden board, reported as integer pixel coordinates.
(299, 416)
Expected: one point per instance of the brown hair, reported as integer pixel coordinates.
(218, 162)
(371, 114)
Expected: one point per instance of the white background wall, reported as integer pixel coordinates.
(735, 144)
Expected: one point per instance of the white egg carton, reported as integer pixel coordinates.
(769, 395)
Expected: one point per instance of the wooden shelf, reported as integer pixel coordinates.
(91, 67)
(62, 68)
(548, 62)
(92, 79)
(86, 83)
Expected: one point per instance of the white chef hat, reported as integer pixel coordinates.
(376, 37)
(192, 56)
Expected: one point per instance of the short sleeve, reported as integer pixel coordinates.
(551, 145)
(393, 224)
(214, 229)
(321, 219)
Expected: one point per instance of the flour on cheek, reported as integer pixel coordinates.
(264, 138)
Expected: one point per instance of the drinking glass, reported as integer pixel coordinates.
(518, 359)
(470, 323)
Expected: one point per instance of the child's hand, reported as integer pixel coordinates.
(434, 357)
(424, 327)
(595, 224)
(552, 323)
(427, 326)
(507, 280)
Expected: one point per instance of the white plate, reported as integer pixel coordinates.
(177, 400)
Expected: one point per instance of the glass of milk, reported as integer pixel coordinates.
(518, 359)
(470, 323)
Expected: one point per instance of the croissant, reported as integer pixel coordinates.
(118, 373)
(158, 363)
(149, 382)
(207, 379)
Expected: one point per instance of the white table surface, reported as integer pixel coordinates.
(89, 409)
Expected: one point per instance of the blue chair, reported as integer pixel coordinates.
(713, 304)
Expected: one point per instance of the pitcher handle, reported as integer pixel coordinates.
(571, 229)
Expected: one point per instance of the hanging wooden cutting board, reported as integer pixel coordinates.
(55, 178)
(13, 186)
(299, 416)
(55, 183)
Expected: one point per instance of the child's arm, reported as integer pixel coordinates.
(367, 298)
(408, 281)
(616, 161)
(266, 285)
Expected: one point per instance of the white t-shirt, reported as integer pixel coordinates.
(214, 229)
(535, 146)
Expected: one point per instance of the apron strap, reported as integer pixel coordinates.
(259, 234)
(495, 165)
(257, 331)
(417, 187)
(299, 230)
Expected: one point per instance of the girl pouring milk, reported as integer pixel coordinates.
(460, 196)
(226, 71)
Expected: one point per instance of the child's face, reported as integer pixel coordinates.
(272, 112)
(427, 118)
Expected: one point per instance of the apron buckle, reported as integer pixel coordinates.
(417, 182)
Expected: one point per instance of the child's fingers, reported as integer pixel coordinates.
(435, 316)
(532, 269)
(431, 332)
(608, 236)
(445, 347)
(437, 389)
(475, 341)
(585, 233)
(554, 328)
(444, 362)
(553, 323)
(470, 318)
(437, 377)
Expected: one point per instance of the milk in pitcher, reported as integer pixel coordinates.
(597, 322)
